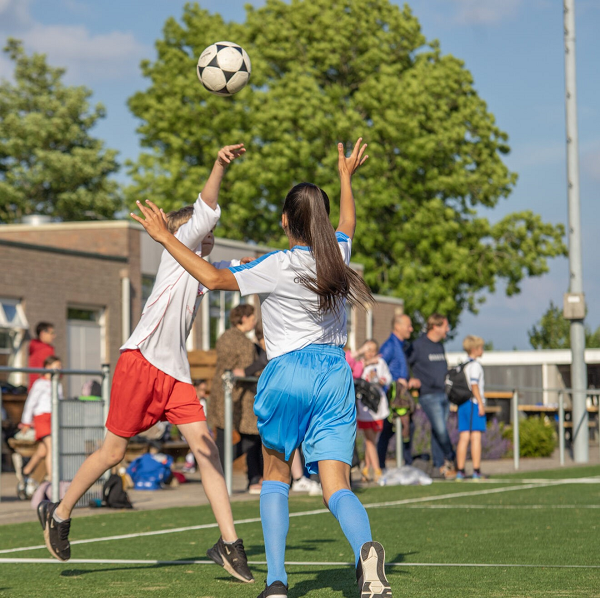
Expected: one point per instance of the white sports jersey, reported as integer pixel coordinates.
(171, 308)
(39, 400)
(290, 315)
(474, 375)
(378, 373)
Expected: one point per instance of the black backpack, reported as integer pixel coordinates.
(457, 387)
(113, 494)
(367, 393)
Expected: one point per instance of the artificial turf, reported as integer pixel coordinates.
(505, 524)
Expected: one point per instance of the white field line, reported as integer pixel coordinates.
(500, 507)
(301, 514)
(289, 563)
(588, 480)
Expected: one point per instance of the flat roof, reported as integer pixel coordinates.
(534, 357)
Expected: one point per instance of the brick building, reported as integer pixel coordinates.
(91, 280)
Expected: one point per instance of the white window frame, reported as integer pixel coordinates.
(17, 332)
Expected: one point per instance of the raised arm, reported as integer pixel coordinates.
(347, 167)
(155, 223)
(210, 191)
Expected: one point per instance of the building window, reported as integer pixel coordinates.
(220, 304)
(13, 327)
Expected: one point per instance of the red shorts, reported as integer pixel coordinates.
(376, 425)
(42, 425)
(142, 395)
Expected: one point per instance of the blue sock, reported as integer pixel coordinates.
(353, 519)
(275, 516)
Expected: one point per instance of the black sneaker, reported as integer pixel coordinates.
(232, 557)
(370, 572)
(276, 590)
(56, 534)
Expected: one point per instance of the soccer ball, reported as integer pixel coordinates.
(224, 68)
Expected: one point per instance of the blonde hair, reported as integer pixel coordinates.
(472, 342)
(178, 217)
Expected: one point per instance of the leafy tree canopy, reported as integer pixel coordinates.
(327, 71)
(554, 332)
(49, 163)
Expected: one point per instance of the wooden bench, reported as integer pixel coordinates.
(203, 365)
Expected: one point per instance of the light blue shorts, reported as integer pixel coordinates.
(306, 398)
(469, 418)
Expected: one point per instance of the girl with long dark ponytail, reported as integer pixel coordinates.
(306, 393)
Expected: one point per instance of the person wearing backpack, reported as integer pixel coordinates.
(471, 414)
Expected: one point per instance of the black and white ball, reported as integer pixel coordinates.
(224, 68)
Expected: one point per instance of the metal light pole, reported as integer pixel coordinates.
(574, 307)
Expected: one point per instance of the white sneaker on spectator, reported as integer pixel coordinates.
(307, 485)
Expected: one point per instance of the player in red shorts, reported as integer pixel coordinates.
(152, 382)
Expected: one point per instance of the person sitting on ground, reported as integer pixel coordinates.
(37, 412)
(40, 348)
(471, 414)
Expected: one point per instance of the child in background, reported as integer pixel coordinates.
(375, 371)
(37, 412)
(471, 414)
(40, 348)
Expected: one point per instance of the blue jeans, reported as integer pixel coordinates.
(437, 409)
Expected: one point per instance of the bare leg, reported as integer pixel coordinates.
(36, 458)
(47, 440)
(476, 449)
(371, 458)
(335, 476)
(277, 469)
(207, 456)
(296, 465)
(461, 449)
(108, 455)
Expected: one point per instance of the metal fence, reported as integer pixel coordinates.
(229, 381)
(77, 427)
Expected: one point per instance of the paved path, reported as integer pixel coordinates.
(192, 493)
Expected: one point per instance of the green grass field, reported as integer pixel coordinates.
(541, 537)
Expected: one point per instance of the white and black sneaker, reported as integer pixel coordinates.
(232, 557)
(276, 590)
(370, 572)
(56, 534)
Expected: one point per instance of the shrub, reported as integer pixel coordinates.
(537, 437)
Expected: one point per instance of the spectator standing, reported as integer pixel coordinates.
(37, 412)
(250, 442)
(471, 414)
(40, 348)
(394, 354)
(428, 361)
(234, 351)
(376, 372)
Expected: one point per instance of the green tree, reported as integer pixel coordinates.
(553, 332)
(326, 71)
(49, 163)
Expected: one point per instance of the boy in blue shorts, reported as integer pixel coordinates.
(471, 414)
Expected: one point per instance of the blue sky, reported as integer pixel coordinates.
(514, 48)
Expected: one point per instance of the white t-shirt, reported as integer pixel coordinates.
(289, 310)
(39, 400)
(171, 308)
(378, 373)
(474, 375)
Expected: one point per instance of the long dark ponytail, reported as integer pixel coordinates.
(307, 210)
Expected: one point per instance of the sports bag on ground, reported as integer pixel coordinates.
(113, 495)
(457, 387)
(367, 393)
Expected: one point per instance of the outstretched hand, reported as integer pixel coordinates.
(229, 153)
(348, 166)
(154, 221)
